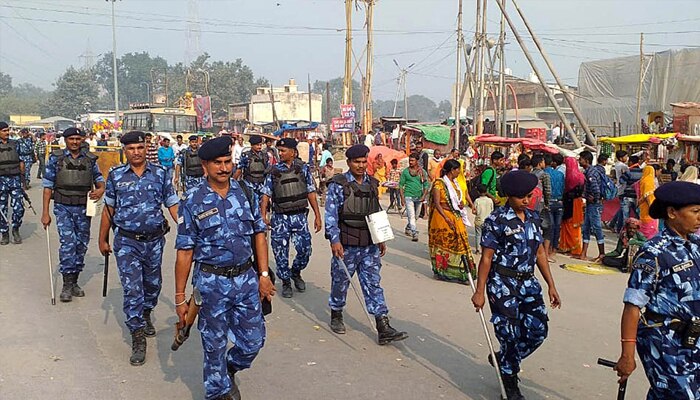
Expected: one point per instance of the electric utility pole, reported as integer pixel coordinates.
(347, 80)
(114, 66)
(458, 86)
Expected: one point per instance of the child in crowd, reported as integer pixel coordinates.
(484, 208)
(324, 175)
(393, 184)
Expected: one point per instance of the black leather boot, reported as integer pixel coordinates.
(510, 383)
(287, 289)
(337, 324)
(298, 282)
(67, 289)
(138, 347)
(16, 238)
(149, 330)
(387, 334)
(76, 290)
(234, 394)
(5, 238)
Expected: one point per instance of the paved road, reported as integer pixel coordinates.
(81, 349)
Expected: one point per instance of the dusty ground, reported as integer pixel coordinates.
(81, 349)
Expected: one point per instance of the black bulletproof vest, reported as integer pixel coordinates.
(9, 159)
(73, 178)
(289, 192)
(193, 164)
(360, 201)
(255, 173)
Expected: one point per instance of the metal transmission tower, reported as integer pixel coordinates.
(88, 57)
(194, 33)
(401, 81)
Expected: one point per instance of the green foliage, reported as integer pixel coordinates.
(73, 89)
(336, 96)
(5, 84)
(420, 108)
(21, 99)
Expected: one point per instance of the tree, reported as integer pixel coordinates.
(134, 74)
(21, 99)
(73, 89)
(336, 95)
(420, 108)
(5, 83)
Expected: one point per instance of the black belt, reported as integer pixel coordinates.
(521, 276)
(297, 212)
(144, 237)
(227, 271)
(675, 324)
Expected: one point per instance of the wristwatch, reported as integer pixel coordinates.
(265, 274)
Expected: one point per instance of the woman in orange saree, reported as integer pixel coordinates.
(570, 240)
(647, 185)
(448, 240)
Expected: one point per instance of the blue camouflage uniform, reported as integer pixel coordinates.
(25, 148)
(286, 227)
(11, 187)
(664, 280)
(71, 222)
(189, 181)
(244, 164)
(220, 232)
(364, 260)
(518, 312)
(137, 203)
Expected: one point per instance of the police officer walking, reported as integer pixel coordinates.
(664, 290)
(25, 148)
(135, 193)
(253, 166)
(291, 187)
(189, 165)
(352, 196)
(11, 177)
(70, 175)
(512, 245)
(220, 229)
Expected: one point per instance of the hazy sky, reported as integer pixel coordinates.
(280, 39)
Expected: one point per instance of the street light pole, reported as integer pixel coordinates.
(148, 91)
(114, 66)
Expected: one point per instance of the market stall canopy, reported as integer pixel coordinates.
(638, 138)
(387, 154)
(533, 144)
(296, 127)
(439, 134)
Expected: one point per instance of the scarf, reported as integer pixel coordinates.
(454, 194)
(573, 177)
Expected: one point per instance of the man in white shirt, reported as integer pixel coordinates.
(237, 149)
(657, 126)
(556, 132)
(178, 146)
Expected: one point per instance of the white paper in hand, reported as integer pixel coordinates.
(379, 227)
(93, 208)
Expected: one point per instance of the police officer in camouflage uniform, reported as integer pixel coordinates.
(291, 188)
(512, 245)
(664, 290)
(70, 175)
(220, 228)
(351, 196)
(253, 166)
(189, 166)
(11, 176)
(25, 148)
(135, 194)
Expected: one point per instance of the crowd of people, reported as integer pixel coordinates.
(522, 214)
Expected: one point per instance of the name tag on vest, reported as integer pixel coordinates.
(683, 266)
(208, 213)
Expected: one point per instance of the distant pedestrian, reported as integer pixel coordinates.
(25, 148)
(40, 154)
(484, 208)
(166, 157)
(593, 193)
(414, 185)
(151, 149)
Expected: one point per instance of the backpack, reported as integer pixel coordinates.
(473, 183)
(608, 190)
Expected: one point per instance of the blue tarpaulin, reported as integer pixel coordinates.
(290, 127)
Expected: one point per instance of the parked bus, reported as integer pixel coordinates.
(165, 122)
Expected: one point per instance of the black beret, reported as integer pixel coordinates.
(674, 194)
(518, 183)
(3, 125)
(73, 132)
(357, 151)
(288, 143)
(214, 148)
(255, 139)
(133, 137)
(193, 137)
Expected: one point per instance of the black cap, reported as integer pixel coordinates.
(193, 137)
(255, 139)
(518, 183)
(24, 130)
(214, 148)
(3, 125)
(357, 151)
(73, 132)
(133, 137)
(288, 143)
(674, 194)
